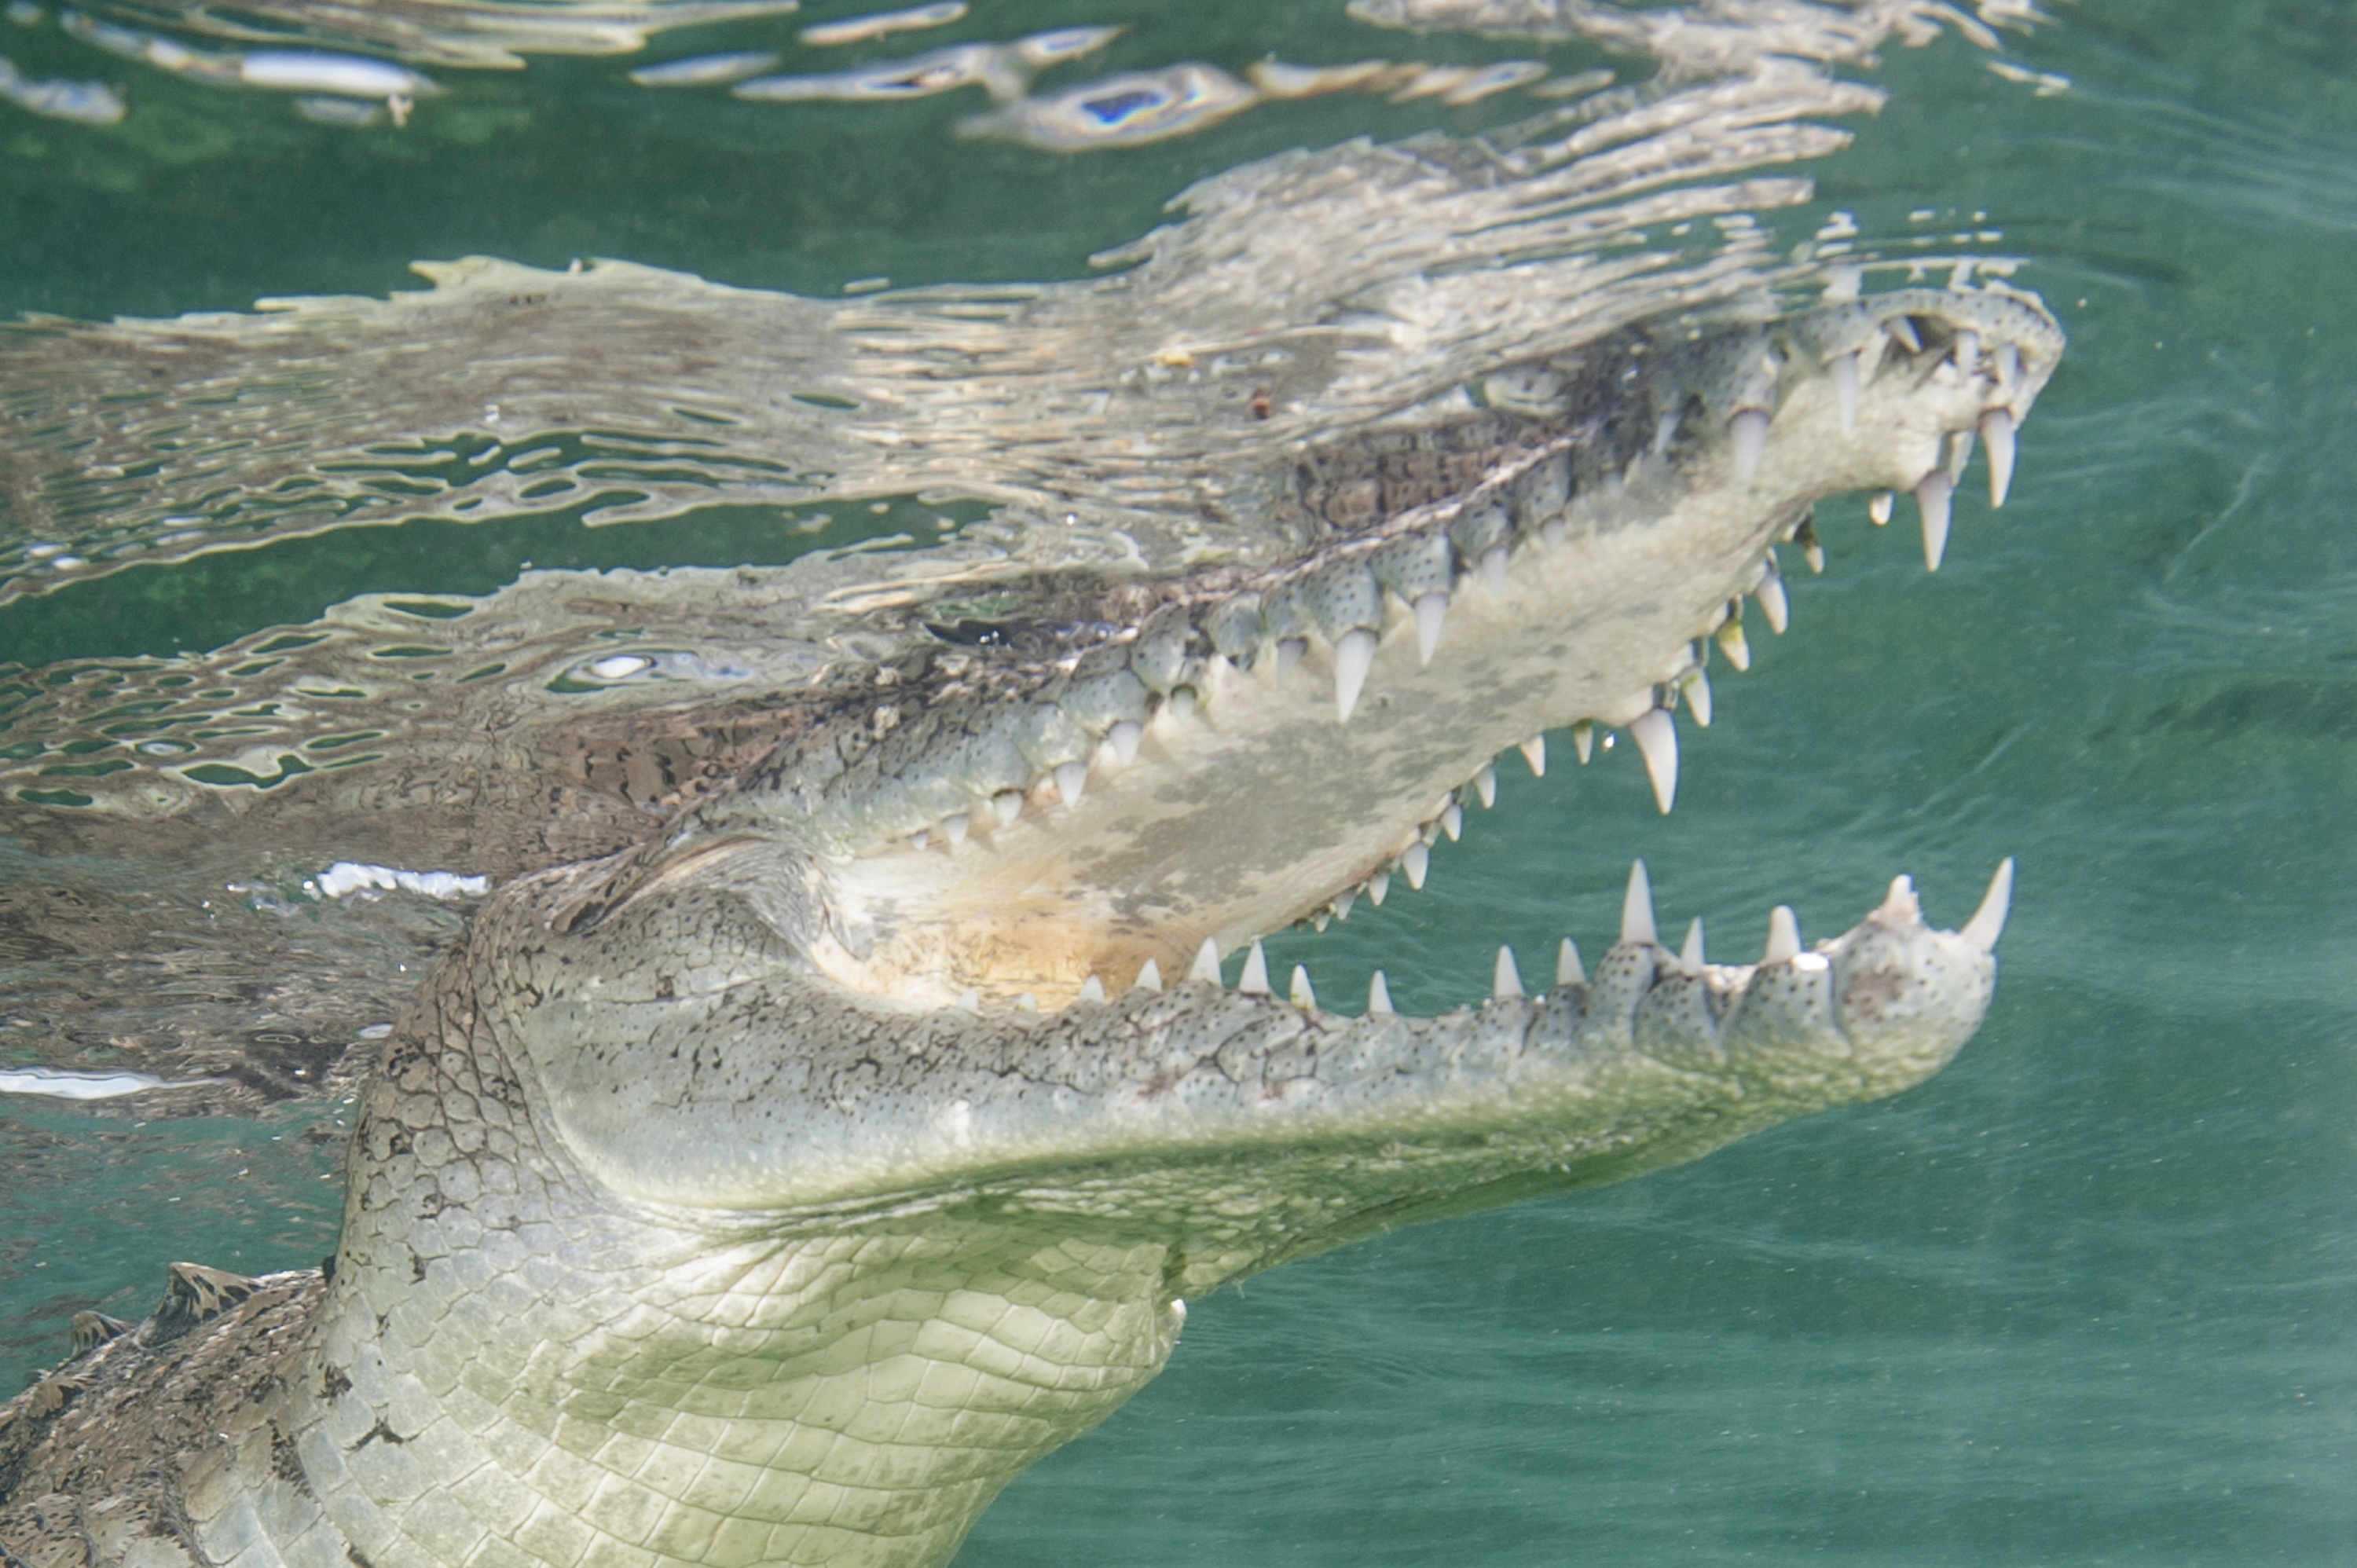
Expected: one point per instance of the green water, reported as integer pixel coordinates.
(2088, 1297)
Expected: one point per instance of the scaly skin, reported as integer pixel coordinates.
(713, 1208)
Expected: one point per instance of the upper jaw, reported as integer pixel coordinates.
(1247, 744)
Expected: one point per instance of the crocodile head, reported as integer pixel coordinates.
(776, 1191)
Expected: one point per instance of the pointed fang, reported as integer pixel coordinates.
(1342, 902)
(1813, 549)
(1493, 570)
(1289, 650)
(1568, 970)
(1877, 507)
(1379, 996)
(1125, 735)
(1935, 496)
(1636, 908)
(1431, 609)
(1843, 368)
(1732, 642)
(1506, 980)
(1485, 785)
(1656, 735)
(1899, 907)
(1452, 822)
(1583, 741)
(1988, 921)
(1353, 657)
(1091, 990)
(1149, 977)
(1254, 982)
(1535, 753)
(955, 829)
(1072, 777)
(1695, 686)
(1300, 993)
(1008, 805)
(1997, 429)
(1414, 860)
(1378, 886)
(1691, 954)
(1772, 602)
(1207, 963)
(1747, 432)
(1784, 936)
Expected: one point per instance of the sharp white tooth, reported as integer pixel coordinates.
(1813, 549)
(2009, 365)
(1254, 982)
(1289, 650)
(1342, 902)
(1183, 702)
(1568, 970)
(1935, 495)
(921, 838)
(1027, 1003)
(1535, 753)
(1899, 906)
(1903, 329)
(1431, 610)
(955, 829)
(1783, 934)
(1125, 735)
(1379, 996)
(1452, 822)
(1656, 735)
(970, 999)
(1300, 993)
(1747, 432)
(1968, 351)
(1091, 990)
(1149, 977)
(1506, 980)
(1695, 686)
(1353, 657)
(1772, 602)
(1485, 785)
(1319, 921)
(1008, 805)
(1691, 954)
(1878, 507)
(1997, 429)
(1378, 886)
(1732, 642)
(1207, 963)
(1493, 570)
(1636, 908)
(1583, 741)
(1072, 777)
(1843, 368)
(1988, 921)
(1413, 860)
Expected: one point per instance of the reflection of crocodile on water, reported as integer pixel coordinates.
(776, 1189)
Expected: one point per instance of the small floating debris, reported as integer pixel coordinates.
(82, 102)
(706, 70)
(879, 23)
(1122, 110)
(58, 1083)
(346, 876)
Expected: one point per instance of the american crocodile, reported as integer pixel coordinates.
(776, 1189)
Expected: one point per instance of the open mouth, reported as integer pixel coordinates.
(1077, 781)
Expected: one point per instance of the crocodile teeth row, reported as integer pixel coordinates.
(1638, 930)
(1098, 717)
